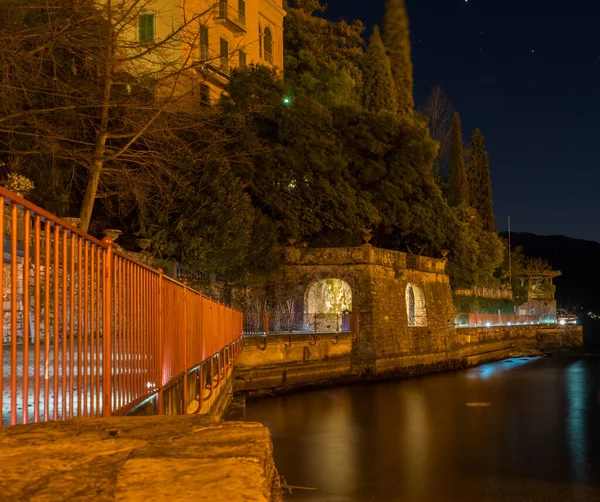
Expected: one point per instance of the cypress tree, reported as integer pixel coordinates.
(396, 35)
(480, 185)
(379, 91)
(459, 186)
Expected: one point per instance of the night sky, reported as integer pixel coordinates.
(527, 72)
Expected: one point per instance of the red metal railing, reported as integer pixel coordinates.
(76, 310)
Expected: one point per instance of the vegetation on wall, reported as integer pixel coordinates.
(476, 304)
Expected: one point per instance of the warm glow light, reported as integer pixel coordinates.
(562, 322)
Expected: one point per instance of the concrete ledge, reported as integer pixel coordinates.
(138, 458)
(292, 375)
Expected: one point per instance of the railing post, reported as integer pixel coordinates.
(185, 361)
(107, 329)
(161, 343)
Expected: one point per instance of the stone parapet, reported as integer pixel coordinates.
(363, 255)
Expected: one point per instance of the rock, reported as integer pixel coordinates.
(138, 458)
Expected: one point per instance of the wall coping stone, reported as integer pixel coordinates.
(363, 255)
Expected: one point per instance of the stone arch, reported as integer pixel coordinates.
(328, 296)
(416, 309)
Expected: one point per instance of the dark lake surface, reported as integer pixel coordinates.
(517, 430)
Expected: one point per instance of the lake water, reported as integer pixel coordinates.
(517, 430)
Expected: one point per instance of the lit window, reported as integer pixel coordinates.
(147, 28)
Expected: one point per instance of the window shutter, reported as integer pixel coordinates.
(224, 55)
(204, 95)
(142, 26)
(204, 43)
(146, 26)
(242, 56)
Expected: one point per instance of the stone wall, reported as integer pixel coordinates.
(395, 334)
(378, 280)
(281, 366)
(280, 362)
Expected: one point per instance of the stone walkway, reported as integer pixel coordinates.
(156, 458)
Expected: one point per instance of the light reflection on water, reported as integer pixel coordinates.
(489, 370)
(576, 390)
(417, 440)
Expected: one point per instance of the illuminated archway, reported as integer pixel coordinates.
(328, 296)
(416, 310)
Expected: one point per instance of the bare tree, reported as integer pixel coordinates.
(439, 110)
(98, 85)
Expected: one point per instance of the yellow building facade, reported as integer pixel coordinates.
(215, 36)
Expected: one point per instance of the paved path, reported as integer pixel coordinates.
(181, 458)
(72, 407)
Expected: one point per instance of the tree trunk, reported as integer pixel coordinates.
(89, 198)
(91, 189)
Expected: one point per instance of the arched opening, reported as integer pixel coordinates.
(324, 304)
(415, 306)
(268, 46)
(328, 296)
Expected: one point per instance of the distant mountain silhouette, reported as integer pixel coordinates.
(578, 289)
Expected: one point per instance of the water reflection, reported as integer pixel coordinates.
(418, 440)
(489, 370)
(575, 382)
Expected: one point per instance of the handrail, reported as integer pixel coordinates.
(93, 331)
(13, 197)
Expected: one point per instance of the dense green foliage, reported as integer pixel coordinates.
(222, 189)
(396, 34)
(480, 185)
(322, 57)
(379, 90)
(458, 186)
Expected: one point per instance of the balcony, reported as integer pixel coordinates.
(233, 19)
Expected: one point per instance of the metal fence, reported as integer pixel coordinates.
(489, 320)
(264, 323)
(88, 331)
